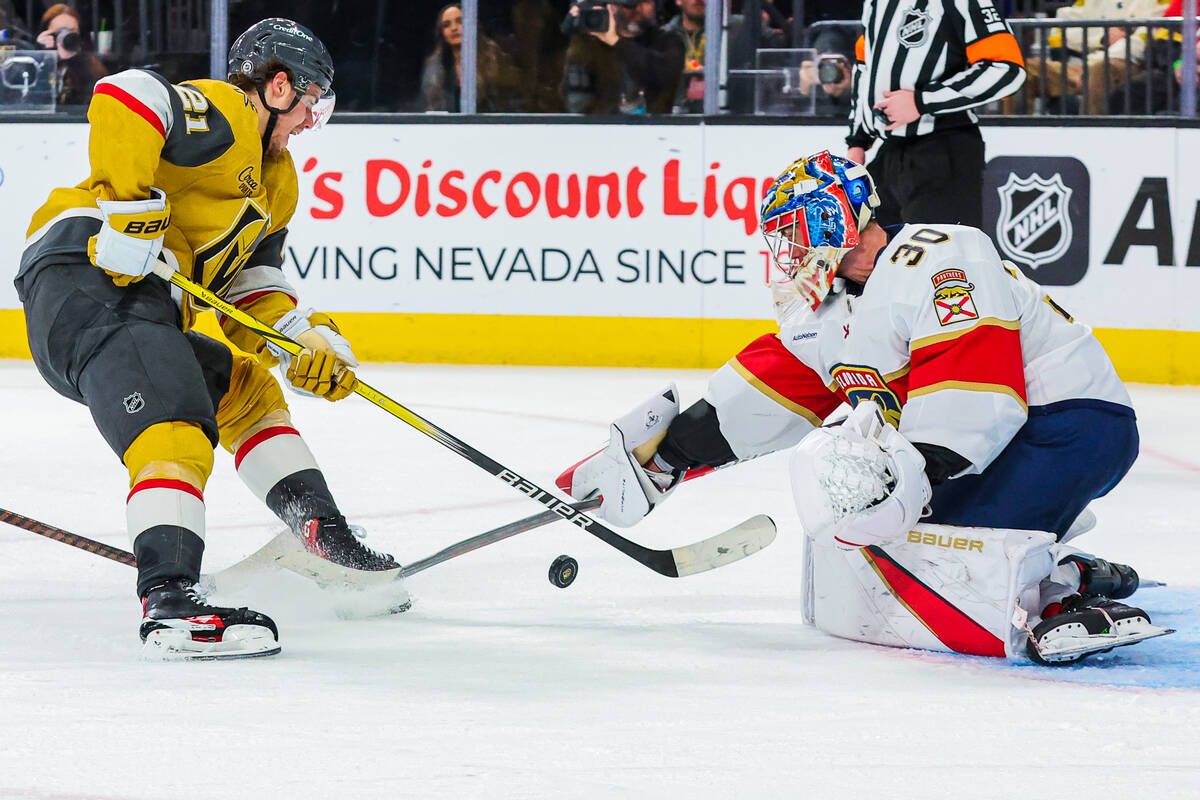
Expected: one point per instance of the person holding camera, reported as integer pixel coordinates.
(78, 69)
(921, 69)
(832, 74)
(618, 60)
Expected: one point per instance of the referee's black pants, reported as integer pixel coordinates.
(933, 178)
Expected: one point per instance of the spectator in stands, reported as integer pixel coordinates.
(78, 69)
(1073, 46)
(632, 67)
(539, 51)
(688, 25)
(1162, 95)
(441, 78)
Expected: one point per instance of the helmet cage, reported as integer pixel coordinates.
(811, 217)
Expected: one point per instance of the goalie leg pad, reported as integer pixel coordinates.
(616, 474)
(941, 587)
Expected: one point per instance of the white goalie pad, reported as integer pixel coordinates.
(942, 587)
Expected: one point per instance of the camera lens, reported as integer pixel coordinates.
(69, 40)
(595, 19)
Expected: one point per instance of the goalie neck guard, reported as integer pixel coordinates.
(811, 217)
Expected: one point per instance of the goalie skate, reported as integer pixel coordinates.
(1085, 627)
(178, 625)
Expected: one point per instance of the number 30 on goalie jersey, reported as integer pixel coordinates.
(965, 344)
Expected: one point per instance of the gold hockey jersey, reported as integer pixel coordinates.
(199, 143)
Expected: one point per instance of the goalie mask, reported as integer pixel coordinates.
(811, 218)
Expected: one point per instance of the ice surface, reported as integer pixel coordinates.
(498, 685)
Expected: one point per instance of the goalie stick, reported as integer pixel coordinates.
(725, 547)
(285, 552)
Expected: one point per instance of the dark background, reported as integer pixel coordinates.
(378, 46)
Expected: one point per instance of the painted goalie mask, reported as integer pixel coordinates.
(811, 217)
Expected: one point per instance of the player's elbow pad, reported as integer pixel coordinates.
(131, 237)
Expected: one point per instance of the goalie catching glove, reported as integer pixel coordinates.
(131, 237)
(321, 369)
(859, 484)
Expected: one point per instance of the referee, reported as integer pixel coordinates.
(920, 66)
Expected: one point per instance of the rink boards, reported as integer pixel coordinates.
(636, 245)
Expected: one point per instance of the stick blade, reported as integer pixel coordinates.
(285, 552)
(732, 545)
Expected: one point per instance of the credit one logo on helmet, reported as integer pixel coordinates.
(1037, 211)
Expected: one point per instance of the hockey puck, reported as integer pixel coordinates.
(563, 571)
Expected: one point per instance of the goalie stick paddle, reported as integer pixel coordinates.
(727, 546)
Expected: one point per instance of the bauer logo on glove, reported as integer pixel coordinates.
(131, 237)
(322, 369)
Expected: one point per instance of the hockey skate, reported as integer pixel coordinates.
(1080, 627)
(1104, 578)
(349, 565)
(333, 540)
(178, 624)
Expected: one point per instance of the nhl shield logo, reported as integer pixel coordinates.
(914, 27)
(134, 403)
(1034, 226)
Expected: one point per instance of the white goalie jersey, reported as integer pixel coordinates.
(953, 343)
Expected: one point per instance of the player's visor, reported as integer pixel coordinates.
(322, 110)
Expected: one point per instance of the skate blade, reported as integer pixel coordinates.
(1068, 647)
(238, 641)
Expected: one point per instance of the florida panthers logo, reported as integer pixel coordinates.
(1034, 226)
(952, 301)
(865, 383)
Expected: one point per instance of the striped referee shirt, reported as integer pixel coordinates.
(953, 54)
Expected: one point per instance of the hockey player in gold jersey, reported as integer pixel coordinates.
(196, 175)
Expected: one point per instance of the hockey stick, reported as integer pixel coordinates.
(284, 551)
(728, 546)
(491, 537)
(66, 537)
(115, 553)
